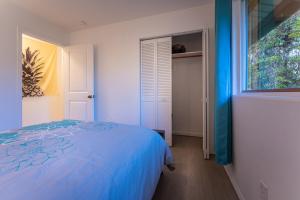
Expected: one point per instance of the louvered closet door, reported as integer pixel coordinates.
(148, 84)
(164, 86)
(156, 85)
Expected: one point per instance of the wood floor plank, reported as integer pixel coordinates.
(194, 177)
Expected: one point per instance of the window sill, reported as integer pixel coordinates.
(283, 96)
(273, 90)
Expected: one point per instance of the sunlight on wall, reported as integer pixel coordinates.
(49, 107)
(48, 55)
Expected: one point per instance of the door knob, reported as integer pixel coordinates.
(91, 96)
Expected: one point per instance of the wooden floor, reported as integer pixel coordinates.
(194, 177)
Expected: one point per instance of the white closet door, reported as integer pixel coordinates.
(205, 94)
(148, 84)
(164, 86)
(156, 85)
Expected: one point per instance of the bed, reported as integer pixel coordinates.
(81, 160)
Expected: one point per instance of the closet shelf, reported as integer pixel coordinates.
(187, 54)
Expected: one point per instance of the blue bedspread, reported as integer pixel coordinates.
(71, 160)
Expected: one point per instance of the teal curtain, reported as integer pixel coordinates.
(223, 82)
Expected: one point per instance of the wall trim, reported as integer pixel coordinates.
(234, 183)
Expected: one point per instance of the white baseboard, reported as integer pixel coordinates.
(234, 183)
(188, 133)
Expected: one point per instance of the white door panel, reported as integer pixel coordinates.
(148, 84)
(164, 119)
(78, 110)
(78, 70)
(149, 120)
(164, 87)
(79, 79)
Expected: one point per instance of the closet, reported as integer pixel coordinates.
(187, 86)
(174, 85)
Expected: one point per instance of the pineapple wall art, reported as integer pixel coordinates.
(32, 73)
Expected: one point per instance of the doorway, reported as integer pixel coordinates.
(187, 85)
(174, 85)
(42, 85)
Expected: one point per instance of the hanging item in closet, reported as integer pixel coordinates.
(178, 48)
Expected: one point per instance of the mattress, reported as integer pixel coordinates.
(81, 160)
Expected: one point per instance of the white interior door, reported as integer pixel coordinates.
(79, 82)
(205, 94)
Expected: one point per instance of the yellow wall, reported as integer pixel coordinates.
(52, 103)
(48, 53)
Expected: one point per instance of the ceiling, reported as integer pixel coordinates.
(78, 14)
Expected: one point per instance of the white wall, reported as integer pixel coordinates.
(36, 110)
(187, 96)
(265, 136)
(117, 58)
(266, 146)
(11, 18)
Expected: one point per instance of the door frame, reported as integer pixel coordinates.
(205, 102)
(19, 39)
(205, 99)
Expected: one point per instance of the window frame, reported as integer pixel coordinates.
(244, 56)
(239, 47)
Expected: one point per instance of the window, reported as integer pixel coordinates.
(273, 45)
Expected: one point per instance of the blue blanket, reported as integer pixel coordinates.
(79, 160)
